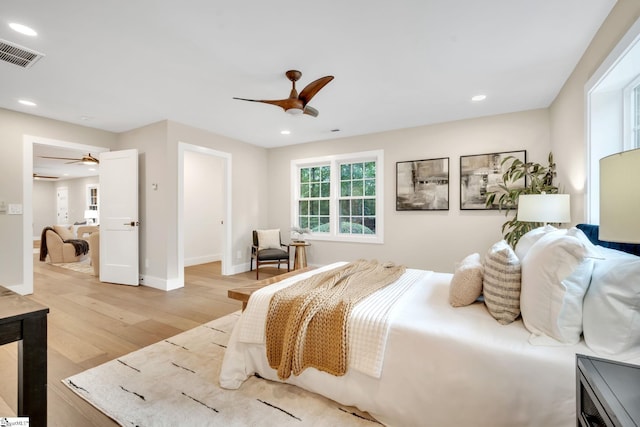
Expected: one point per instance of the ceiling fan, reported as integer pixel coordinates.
(39, 176)
(86, 160)
(297, 103)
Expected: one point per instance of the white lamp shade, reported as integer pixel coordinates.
(620, 197)
(544, 208)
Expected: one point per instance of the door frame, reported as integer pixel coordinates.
(27, 200)
(226, 208)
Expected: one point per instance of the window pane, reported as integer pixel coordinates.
(357, 207)
(324, 207)
(370, 207)
(370, 170)
(315, 174)
(326, 174)
(370, 225)
(315, 190)
(303, 207)
(345, 225)
(304, 175)
(345, 188)
(314, 207)
(304, 190)
(370, 187)
(345, 207)
(324, 220)
(345, 172)
(304, 222)
(313, 222)
(357, 171)
(325, 189)
(357, 188)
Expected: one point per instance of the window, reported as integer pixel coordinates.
(634, 141)
(338, 197)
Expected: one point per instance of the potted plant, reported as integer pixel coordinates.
(538, 180)
(298, 234)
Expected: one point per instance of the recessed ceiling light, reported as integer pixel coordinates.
(23, 29)
(477, 98)
(285, 132)
(27, 102)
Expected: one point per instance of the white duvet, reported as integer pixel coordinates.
(442, 366)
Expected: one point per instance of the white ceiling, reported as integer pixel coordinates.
(121, 64)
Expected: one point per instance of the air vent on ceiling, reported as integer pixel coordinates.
(18, 55)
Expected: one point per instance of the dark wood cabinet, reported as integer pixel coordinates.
(608, 393)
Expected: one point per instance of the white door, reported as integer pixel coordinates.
(119, 217)
(62, 205)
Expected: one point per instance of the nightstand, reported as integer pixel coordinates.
(608, 393)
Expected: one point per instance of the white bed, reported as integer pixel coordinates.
(443, 366)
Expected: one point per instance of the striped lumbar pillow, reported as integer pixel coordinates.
(501, 283)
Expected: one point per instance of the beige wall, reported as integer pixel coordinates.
(567, 112)
(429, 240)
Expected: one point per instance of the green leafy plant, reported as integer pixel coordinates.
(539, 180)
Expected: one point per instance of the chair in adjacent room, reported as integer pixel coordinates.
(268, 249)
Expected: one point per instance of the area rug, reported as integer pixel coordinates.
(175, 383)
(82, 266)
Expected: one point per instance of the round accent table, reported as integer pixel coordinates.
(300, 256)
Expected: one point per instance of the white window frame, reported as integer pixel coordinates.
(631, 130)
(334, 162)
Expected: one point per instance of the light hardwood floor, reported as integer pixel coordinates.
(91, 323)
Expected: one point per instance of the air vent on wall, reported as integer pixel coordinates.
(18, 55)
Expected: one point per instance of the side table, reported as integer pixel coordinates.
(300, 256)
(24, 320)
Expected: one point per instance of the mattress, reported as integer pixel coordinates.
(442, 366)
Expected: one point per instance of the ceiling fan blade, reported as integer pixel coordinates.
(312, 88)
(282, 103)
(58, 158)
(311, 111)
(37, 175)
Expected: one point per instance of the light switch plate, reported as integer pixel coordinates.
(15, 209)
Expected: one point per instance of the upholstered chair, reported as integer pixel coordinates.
(58, 250)
(94, 252)
(268, 249)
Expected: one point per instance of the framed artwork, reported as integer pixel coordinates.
(482, 173)
(422, 185)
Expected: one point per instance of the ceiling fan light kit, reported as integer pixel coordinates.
(296, 104)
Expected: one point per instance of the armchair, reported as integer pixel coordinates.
(268, 249)
(58, 250)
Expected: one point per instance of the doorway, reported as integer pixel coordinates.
(220, 190)
(27, 199)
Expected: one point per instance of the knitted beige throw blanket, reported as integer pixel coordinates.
(307, 322)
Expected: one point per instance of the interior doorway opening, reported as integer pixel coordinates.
(204, 203)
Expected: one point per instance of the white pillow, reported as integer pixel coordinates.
(556, 273)
(611, 317)
(64, 231)
(466, 284)
(268, 239)
(501, 283)
(529, 238)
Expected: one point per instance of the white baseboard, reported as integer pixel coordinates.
(203, 259)
(161, 284)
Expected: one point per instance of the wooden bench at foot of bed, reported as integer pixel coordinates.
(244, 292)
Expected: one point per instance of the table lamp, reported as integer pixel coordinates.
(544, 208)
(91, 216)
(620, 197)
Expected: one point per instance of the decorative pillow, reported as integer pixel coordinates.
(501, 283)
(64, 232)
(556, 273)
(268, 239)
(528, 239)
(466, 284)
(611, 310)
